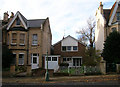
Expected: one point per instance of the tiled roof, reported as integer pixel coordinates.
(31, 23)
(24, 19)
(106, 13)
(67, 37)
(35, 23)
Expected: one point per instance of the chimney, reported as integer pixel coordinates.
(5, 16)
(11, 17)
(101, 8)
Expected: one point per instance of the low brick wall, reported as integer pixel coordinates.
(51, 71)
(41, 72)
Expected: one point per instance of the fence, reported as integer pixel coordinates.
(79, 70)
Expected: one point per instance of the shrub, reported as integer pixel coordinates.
(21, 68)
(64, 64)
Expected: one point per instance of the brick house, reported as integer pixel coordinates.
(107, 21)
(29, 40)
(70, 50)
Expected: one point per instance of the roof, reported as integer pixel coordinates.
(67, 37)
(112, 9)
(109, 13)
(24, 19)
(106, 13)
(27, 23)
(35, 22)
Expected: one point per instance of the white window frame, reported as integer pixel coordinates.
(37, 56)
(53, 57)
(12, 38)
(117, 16)
(73, 49)
(69, 50)
(34, 39)
(23, 59)
(67, 59)
(20, 39)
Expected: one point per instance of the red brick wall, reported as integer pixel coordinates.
(80, 52)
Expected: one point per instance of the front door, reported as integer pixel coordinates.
(76, 61)
(35, 61)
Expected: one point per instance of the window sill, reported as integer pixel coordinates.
(71, 51)
(21, 44)
(13, 44)
(20, 64)
(34, 44)
(17, 25)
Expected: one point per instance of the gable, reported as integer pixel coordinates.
(114, 10)
(69, 42)
(21, 19)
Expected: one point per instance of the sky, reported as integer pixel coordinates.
(65, 16)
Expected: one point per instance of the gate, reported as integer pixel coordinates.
(110, 67)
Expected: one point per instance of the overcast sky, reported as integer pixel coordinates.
(66, 16)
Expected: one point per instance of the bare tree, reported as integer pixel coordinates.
(88, 33)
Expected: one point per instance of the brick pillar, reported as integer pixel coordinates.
(103, 66)
(29, 73)
(118, 68)
(12, 69)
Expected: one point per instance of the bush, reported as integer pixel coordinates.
(7, 57)
(21, 68)
(64, 64)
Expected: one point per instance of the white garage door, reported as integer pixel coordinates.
(52, 62)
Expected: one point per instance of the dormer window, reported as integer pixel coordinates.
(118, 16)
(69, 48)
(75, 48)
(17, 21)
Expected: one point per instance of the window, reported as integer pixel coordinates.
(75, 48)
(68, 59)
(17, 21)
(118, 16)
(22, 39)
(34, 58)
(63, 48)
(49, 58)
(34, 39)
(64, 59)
(54, 58)
(114, 29)
(14, 38)
(21, 59)
(68, 48)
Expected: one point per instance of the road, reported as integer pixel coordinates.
(66, 84)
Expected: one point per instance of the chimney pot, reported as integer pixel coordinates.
(12, 14)
(101, 4)
(6, 16)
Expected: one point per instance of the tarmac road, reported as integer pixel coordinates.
(66, 84)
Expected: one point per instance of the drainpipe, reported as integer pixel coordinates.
(28, 47)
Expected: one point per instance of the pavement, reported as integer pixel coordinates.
(99, 80)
